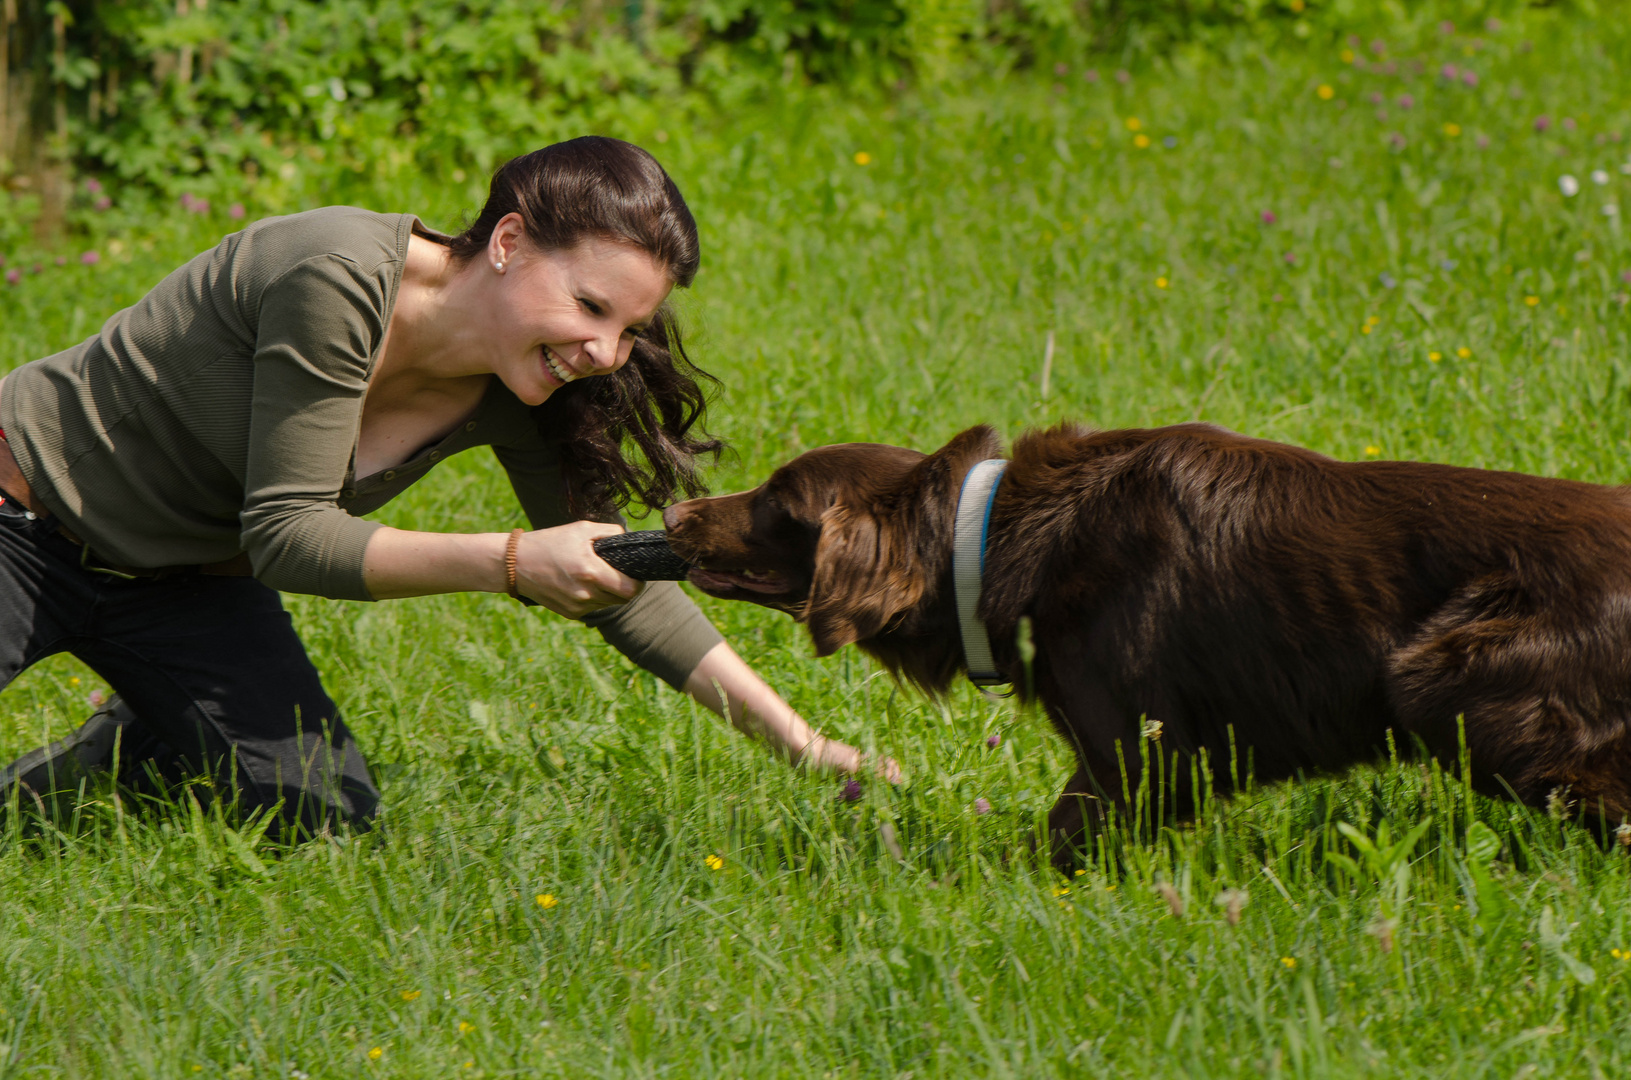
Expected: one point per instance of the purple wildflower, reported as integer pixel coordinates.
(1124, 76)
(94, 186)
(1446, 27)
(1375, 98)
(851, 792)
(1625, 276)
(102, 202)
(1483, 142)
(91, 258)
(1061, 70)
(1469, 77)
(13, 276)
(1378, 46)
(1268, 217)
(37, 268)
(1568, 123)
(1091, 75)
(1406, 101)
(1493, 25)
(236, 211)
(993, 741)
(61, 260)
(1448, 71)
(1291, 258)
(1542, 123)
(982, 805)
(95, 699)
(1397, 140)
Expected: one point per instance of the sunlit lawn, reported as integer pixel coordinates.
(578, 873)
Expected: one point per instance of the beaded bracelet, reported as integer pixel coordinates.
(510, 550)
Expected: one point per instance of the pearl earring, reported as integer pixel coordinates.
(499, 266)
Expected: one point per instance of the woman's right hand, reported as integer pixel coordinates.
(560, 570)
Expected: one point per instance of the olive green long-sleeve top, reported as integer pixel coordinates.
(220, 415)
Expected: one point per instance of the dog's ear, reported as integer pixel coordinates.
(865, 577)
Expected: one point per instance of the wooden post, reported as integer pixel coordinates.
(54, 174)
(8, 17)
(184, 69)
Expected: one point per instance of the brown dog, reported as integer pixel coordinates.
(1254, 598)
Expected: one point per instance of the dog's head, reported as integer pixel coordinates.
(853, 540)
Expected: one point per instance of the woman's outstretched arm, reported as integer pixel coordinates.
(559, 569)
(758, 711)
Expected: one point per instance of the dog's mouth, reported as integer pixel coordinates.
(763, 582)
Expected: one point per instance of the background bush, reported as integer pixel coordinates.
(212, 97)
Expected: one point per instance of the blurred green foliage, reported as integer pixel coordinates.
(193, 95)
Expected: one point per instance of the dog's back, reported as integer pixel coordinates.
(1255, 595)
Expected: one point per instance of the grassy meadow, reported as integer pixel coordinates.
(578, 873)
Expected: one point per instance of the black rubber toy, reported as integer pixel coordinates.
(643, 556)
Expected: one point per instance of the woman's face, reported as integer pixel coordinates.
(565, 315)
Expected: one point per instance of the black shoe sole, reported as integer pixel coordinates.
(61, 765)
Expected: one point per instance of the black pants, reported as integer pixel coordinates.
(212, 666)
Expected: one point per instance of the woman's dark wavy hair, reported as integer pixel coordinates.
(606, 189)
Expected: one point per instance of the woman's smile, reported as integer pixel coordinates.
(558, 368)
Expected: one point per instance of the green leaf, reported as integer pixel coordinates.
(1482, 843)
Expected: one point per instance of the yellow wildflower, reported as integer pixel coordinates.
(1079, 873)
(1347, 56)
(1463, 352)
(1141, 141)
(410, 995)
(1325, 92)
(1365, 329)
(1531, 300)
(862, 157)
(1452, 130)
(376, 1053)
(546, 900)
(714, 862)
(466, 1027)
(1373, 451)
(1160, 283)
(1134, 123)
(1435, 357)
(1289, 961)
(1061, 890)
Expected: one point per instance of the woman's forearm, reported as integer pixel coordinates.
(556, 567)
(399, 563)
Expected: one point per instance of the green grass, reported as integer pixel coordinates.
(900, 301)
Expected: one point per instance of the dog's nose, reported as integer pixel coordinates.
(674, 517)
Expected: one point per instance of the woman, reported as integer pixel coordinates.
(217, 441)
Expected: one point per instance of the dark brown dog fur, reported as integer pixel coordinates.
(1229, 588)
